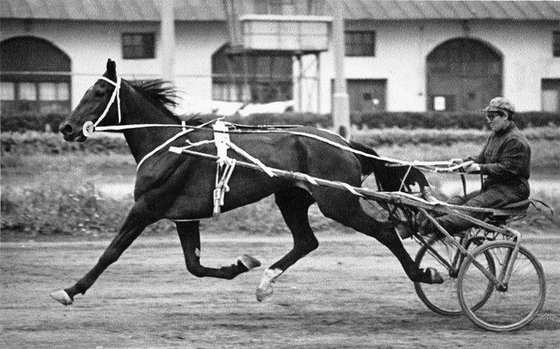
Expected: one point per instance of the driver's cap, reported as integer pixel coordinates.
(500, 104)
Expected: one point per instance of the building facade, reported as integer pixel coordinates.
(400, 55)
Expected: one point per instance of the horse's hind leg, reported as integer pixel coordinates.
(347, 210)
(294, 204)
(189, 234)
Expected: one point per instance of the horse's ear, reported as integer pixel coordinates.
(111, 69)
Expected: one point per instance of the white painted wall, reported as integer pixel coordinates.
(193, 63)
(401, 51)
(90, 44)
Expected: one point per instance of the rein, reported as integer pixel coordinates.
(89, 128)
(425, 165)
(164, 144)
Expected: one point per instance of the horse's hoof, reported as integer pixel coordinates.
(62, 297)
(249, 262)
(264, 293)
(435, 277)
(265, 288)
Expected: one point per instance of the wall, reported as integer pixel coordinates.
(403, 46)
(401, 51)
(90, 44)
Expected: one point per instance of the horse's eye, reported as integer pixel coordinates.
(100, 90)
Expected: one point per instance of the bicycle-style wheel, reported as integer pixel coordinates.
(443, 298)
(512, 306)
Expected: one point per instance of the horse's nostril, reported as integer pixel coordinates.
(66, 129)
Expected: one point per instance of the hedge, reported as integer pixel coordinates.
(31, 122)
(34, 142)
(407, 120)
(51, 143)
(434, 120)
(395, 136)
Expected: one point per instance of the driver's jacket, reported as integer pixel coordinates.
(505, 161)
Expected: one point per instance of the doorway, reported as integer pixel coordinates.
(463, 75)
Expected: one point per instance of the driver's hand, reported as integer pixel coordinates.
(473, 168)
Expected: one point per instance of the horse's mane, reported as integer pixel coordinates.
(163, 95)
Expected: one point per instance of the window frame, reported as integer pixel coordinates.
(556, 43)
(357, 44)
(146, 49)
(8, 86)
(550, 86)
(19, 105)
(255, 78)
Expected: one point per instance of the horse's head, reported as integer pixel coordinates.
(99, 104)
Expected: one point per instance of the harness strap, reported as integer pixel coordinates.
(221, 139)
(89, 127)
(224, 166)
(224, 170)
(184, 132)
(256, 161)
(163, 145)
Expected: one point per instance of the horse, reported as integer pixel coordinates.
(180, 187)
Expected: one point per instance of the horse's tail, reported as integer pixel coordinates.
(389, 178)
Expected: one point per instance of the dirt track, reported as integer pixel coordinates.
(349, 293)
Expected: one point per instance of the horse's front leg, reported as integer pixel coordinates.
(133, 226)
(189, 234)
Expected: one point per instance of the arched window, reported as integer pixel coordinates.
(34, 77)
(463, 74)
(251, 77)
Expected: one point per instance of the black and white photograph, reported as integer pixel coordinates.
(280, 174)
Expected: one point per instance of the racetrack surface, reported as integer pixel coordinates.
(350, 293)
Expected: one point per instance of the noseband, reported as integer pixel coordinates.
(89, 127)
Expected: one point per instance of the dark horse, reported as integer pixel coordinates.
(179, 187)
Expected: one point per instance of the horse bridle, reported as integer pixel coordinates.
(89, 127)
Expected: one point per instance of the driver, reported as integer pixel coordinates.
(504, 164)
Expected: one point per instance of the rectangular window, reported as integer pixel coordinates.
(63, 91)
(27, 91)
(138, 45)
(230, 91)
(54, 91)
(439, 103)
(556, 44)
(550, 95)
(7, 91)
(47, 91)
(442, 103)
(42, 98)
(359, 43)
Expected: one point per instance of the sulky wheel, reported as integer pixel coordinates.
(443, 298)
(511, 305)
